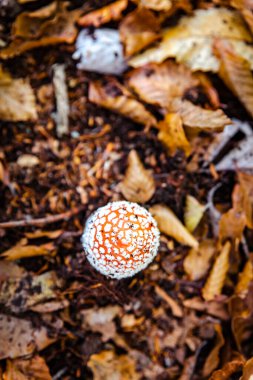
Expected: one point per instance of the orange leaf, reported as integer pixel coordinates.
(20, 369)
(19, 252)
(111, 12)
(246, 187)
(245, 277)
(228, 370)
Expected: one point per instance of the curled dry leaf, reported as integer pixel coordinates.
(111, 12)
(17, 100)
(247, 372)
(138, 29)
(191, 41)
(228, 370)
(20, 338)
(235, 71)
(169, 224)
(213, 358)
(172, 135)
(246, 187)
(21, 369)
(197, 262)
(193, 213)
(107, 365)
(217, 276)
(158, 84)
(138, 184)
(19, 251)
(198, 118)
(245, 277)
(112, 95)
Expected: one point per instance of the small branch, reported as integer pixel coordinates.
(40, 221)
(62, 101)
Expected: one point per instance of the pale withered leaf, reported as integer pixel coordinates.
(244, 279)
(193, 213)
(197, 262)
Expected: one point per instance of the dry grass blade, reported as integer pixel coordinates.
(138, 184)
(158, 84)
(193, 214)
(21, 369)
(103, 15)
(246, 186)
(195, 117)
(138, 29)
(169, 224)
(217, 276)
(236, 73)
(114, 96)
(197, 262)
(245, 277)
(213, 359)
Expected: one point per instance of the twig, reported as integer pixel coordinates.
(62, 101)
(46, 220)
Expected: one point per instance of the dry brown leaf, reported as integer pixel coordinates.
(19, 251)
(101, 320)
(216, 309)
(245, 277)
(107, 365)
(231, 225)
(172, 135)
(50, 306)
(10, 270)
(247, 373)
(197, 262)
(235, 71)
(156, 5)
(138, 30)
(193, 213)
(24, 369)
(228, 370)
(39, 233)
(138, 184)
(175, 308)
(58, 29)
(246, 187)
(191, 40)
(112, 95)
(169, 224)
(20, 338)
(217, 276)
(111, 12)
(158, 84)
(213, 358)
(198, 118)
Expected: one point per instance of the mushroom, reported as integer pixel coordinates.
(120, 239)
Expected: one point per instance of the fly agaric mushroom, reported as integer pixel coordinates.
(120, 239)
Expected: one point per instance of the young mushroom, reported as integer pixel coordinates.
(120, 239)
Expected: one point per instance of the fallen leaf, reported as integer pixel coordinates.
(246, 187)
(191, 40)
(197, 262)
(214, 308)
(107, 365)
(111, 12)
(228, 370)
(112, 95)
(175, 308)
(197, 118)
(231, 225)
(235, 71)
(245, 277)
(156, 5)
(19, 251)
(23, 369)
(101, 320)
(20, 338)
(217, 276)
(129, 322)
(158, 84)
(17, 100)
(169, 224)
(138, 184)
(100, 51)
(10, 270)
(39, 233)
(193, 213)
(213, 358)
(172, 135)
(27, 160)
(247, 373)
(138, 30)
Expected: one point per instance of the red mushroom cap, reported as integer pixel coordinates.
(120, 239)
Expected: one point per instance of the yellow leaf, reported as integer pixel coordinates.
(114, 96)
(191, 41)
(246, 186)
(235, 71)
(169, 224)
(197, 262)
(138, 29)
(217, 276)
(22, 369)
(193, 214)
(198, 118)
(138, 184)
(245, 277)
(171, 133)
(19, 252)
(158, 84)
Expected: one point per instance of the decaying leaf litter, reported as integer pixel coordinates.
(145, 101)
